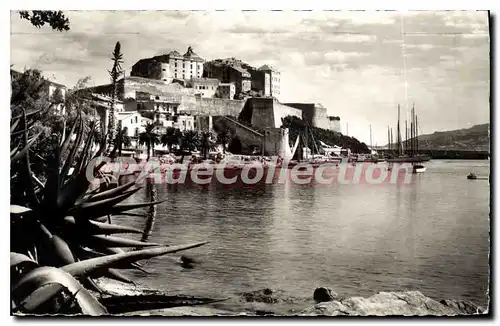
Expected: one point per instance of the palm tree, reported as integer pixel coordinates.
(223, 134)
(206, 143)
(190, 140)
(123, 140)
(149, 137)
(170, 138)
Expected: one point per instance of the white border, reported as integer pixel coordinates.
(192, 5)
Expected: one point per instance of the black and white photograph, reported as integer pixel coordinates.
(250, 163)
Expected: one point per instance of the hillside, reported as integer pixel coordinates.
(475, 138)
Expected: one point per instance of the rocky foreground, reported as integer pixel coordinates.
(327, 303)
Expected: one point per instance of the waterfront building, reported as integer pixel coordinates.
(170, 66)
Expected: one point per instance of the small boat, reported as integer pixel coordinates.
(472, 176)
(418, 168)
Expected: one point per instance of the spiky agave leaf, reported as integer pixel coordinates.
(112, 192)
(58, 246)
(37, 298)
(17, 259)
(112, 241)
(19, 210)
(19, 154)
(117, 276)
(47, 275)
(101, 207)
(95, 227)
(92, 265)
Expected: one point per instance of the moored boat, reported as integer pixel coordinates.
(418, 168)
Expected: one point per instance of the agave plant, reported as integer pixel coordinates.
(61, 229)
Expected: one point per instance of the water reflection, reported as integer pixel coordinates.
(431, 235)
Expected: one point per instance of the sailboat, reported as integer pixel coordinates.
(412, 156)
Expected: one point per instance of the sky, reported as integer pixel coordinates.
(358, 64)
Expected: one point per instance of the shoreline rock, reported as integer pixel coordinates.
(410, 303)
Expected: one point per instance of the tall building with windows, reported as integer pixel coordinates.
(170, 66)
(274, 77)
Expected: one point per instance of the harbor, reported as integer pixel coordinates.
(292, 250)
(250, 163)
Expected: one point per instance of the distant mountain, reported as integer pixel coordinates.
(475, 138)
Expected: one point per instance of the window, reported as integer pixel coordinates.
(164, 79)
(131, 120)
(157, 97)
(176, 65)
(164, 69)
(183, 65)
(135, 119)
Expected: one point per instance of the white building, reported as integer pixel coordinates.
(275, 77)
(133, 121)
(170, 66)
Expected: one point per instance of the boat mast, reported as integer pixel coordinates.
(406, 138)
(399, 132)
(414, 130)
(416, 134)
(388, 138)
(392, 142)
(371, 143)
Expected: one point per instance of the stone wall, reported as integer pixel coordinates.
(314, 114)
(334, 125)
(266, 112)
(211, 106)
(269, 141)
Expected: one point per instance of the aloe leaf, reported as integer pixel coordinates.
(66, 142)
(103, 228)
(111, 192)
(19, 155)
(14, 125)
(58, 246)
(83, 158)
(47, 275)
(98, 208)
(112, 241)
(29, 114)
(126, 207)
(40, 296)
(25, 130)
(91, 284)
(19, 210)
(90, 253)
(91, 265)
(17, 258)
(62, 250)
(116, 275)
(71, 157)
(28, 175)
(14, 151)
(75, 189)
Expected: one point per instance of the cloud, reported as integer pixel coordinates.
(351, 62)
